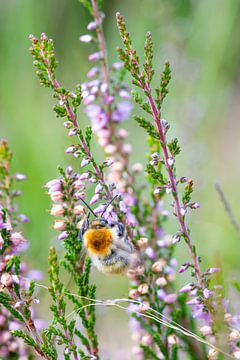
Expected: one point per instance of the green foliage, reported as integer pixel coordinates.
(187, 192)
(162, 91)
(149, 127)
(174, 148)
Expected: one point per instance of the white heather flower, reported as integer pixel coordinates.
(159, 265)
(59, 225)
(234, 335)
(146, 340)
(134, 294)
(57, 210)
(212, 354)
(137, 167)
(143, 289)
(183, 211)
(6, 279)
(86, 38)
(78, 210)
(161, 281)
(170, 161)
(110, 149)
(118, 166)
(142, 243)
(206, 330)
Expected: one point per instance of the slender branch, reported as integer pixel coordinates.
(227, 207)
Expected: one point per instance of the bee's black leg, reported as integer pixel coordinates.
(84, 228)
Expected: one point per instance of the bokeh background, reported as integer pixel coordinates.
(201, 40)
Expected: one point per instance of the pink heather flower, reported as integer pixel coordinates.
(206, 293)
(146, 340)
(117, 65)
(84, 176)
(79, 194)
(150, 252)
(134, 294)
(212, 271)
(53, 182)
(70, 149)
(194, 301)
(103, 87)
(67, 124)
(161, 294)
(137, 167)
(73, 132)
(110, 149)
(183, 267)
(57, 210)
(89, 99)
(94, 199)
(175, 239)
(68, 170)
(170, 298)
(93, 72)
(206, 330)
(122, 133)
(122, 111)
(194, 205)
(84, 162)
(95, 56)
(63, 235)
(56, 196)
(124, 94)
(23, 218)
(86, 38)
(17, 239)
(99, 209)
(127, 148)
(98, 189)
(35, 275)
(78, 184)
(187, 288)
(78, 210)
(20, 177)
(92, 26)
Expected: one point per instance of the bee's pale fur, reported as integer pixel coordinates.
(114, 255)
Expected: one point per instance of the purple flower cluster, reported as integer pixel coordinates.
(12, 243)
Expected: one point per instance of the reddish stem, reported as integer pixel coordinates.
(157, 118)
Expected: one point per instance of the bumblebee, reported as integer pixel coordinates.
(107, 244)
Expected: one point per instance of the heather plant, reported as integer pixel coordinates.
(165, 322)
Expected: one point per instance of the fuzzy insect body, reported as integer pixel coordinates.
(108, 246)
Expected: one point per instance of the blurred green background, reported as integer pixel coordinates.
(201, 40)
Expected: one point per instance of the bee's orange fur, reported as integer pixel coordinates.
(97, 241)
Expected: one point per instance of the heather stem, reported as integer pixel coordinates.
(156, 115)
